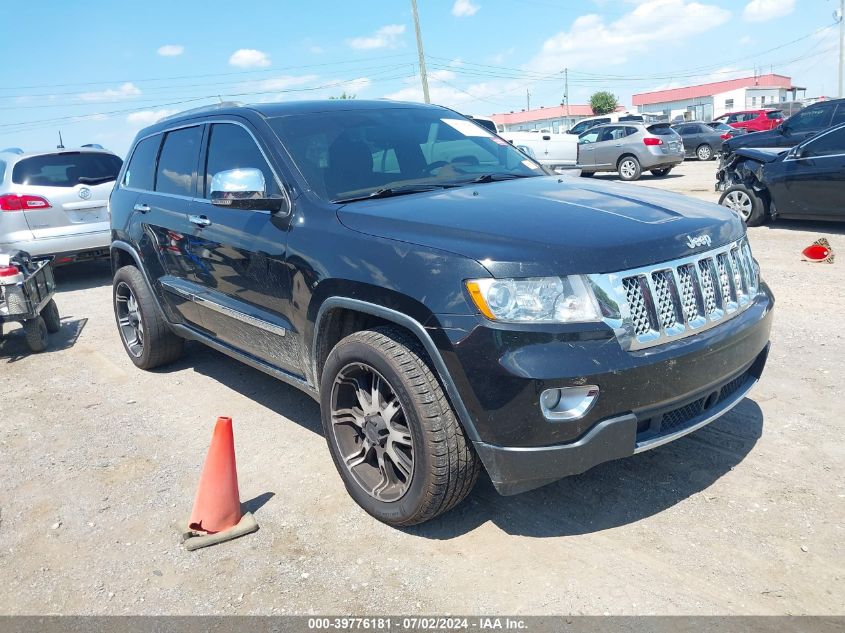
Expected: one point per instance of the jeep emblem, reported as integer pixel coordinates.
(701, 240)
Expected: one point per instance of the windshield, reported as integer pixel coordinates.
(67, 169)
(352, 153)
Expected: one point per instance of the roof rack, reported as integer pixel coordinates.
(11, 150)
(201, 109)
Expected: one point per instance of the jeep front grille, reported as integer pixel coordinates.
(667, 301)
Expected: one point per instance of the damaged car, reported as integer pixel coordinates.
(805, 182)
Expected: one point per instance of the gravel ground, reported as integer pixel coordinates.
(101, 460)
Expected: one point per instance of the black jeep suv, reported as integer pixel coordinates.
(449, 304)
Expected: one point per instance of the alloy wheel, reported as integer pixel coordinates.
(704, 152)
(628, 169)
(371, 432)
(129, 319)
(740, 202)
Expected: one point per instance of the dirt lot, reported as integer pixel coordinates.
(100, 460)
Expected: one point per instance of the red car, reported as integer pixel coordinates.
(753, 120)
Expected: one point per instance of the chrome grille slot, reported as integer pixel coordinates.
(689, 296)
(664, 300)
(708, 287)
(640, 317)
(674, 299)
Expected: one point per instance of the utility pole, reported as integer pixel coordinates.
(527, 99)
(566, 90)
(841, 43)
(423, 74)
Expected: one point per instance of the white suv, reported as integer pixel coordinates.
(56, 202)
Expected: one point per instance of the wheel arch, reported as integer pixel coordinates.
(339, 316)
(627, 155)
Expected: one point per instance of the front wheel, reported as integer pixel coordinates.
(35, 331)
(743, 200)
(392, 434)
(629, 169)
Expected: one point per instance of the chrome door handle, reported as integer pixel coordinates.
(142, 207)
(199, 220)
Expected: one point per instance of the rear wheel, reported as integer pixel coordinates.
(147, 339)
(661, 172)
(35, 331)
(629, 168)
(705, 152)
(391, 431)
(746, 202)
(51, 317)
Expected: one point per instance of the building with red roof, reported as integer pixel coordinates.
(557, 118)
(710, 100)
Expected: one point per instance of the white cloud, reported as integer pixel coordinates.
(249, 58)
(148, 117)
(386, 37)
(316, 50)
(464, 8)
(592, 42)
(171, 50)
(764, 10)
(125, 91)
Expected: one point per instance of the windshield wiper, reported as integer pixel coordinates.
(86, 180)
(497, 177)
(399, 190)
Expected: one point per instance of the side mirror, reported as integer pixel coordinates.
(781, 128)
(797, 152)
(245, 189)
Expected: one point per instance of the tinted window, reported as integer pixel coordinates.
(830, 143)
(67, 169)
(630, 130)
(810, 119)
(351, 153)
(838, 117)
(613, 133)
(583, 126)
(232, 147)
(139, 174)
(177, 164)
(2, 170)
(777, 114)
(486, 123)
(630, 117)
(661, 129)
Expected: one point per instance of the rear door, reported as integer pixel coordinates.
(245, 284)
(162, 172)
(76, 186)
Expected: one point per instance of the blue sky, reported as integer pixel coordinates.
(99, 71)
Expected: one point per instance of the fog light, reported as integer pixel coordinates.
(568, 403)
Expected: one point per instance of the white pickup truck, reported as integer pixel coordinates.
(557, 151)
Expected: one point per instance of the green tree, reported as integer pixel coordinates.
(343, 96)
(603, 102)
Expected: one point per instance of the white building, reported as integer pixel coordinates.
(705, 102)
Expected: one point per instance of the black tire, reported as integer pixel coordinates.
(158, 344)
(705, 152)
(587, 174)
(51, 317)
(661, 172)
(445, 467)
(35, 331)
(629, 168)
(745, 201)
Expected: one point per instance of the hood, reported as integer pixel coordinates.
(769, 138)
(549, 225)
(761, 154)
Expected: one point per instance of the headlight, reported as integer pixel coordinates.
(535, 300)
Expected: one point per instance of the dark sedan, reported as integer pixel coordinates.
(700, 140)
(806, 182)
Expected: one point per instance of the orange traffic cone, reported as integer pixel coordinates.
(216, 516)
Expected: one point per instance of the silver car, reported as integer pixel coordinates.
(630, 148)
(56, 202)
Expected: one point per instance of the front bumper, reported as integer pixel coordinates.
(500, 375)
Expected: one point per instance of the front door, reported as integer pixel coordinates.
(814, 184)
(608, 148)
(241, 257)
